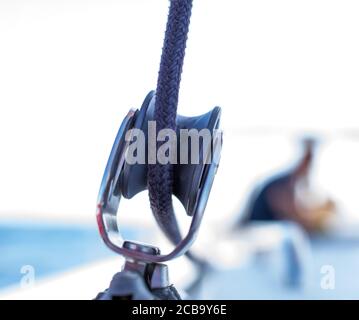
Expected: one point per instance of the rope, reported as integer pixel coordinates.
(160, 177)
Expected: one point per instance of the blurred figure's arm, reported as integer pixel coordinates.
(283, 201)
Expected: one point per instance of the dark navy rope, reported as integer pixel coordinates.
(160, 177)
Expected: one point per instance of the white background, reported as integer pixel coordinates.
(70, 70)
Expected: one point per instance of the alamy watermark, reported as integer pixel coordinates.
(165, 147)
(327, 281)
(28, 278)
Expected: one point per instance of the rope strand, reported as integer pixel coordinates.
(160, 177)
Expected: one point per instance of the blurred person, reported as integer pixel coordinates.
(288, 196)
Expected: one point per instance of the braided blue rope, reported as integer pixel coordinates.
(160, 177)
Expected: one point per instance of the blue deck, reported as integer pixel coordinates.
(261, 281)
